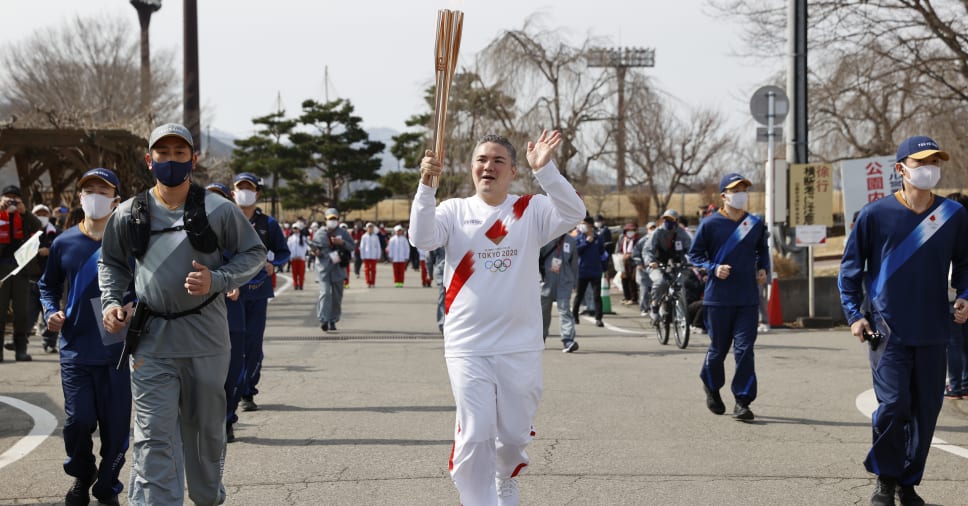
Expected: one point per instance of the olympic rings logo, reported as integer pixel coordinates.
(499, 265)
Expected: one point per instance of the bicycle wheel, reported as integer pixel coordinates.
(662, 327)
(681, 321)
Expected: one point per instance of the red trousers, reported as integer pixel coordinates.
(298, 272)
(369, 270)
(399, 269)
(424, 275)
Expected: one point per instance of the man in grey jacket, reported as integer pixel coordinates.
(179, 367)
(669, 243)
(333, 246)
(558, 262)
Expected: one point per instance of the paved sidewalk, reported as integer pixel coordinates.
(364, 416)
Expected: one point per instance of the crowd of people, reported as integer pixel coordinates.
(143, 297)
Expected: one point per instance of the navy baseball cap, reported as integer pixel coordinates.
(730, 180)
(106, 175)
(221, 189)
(919, 147)
(170, 129)
(248, 176)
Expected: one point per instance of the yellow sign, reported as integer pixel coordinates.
(811, 194)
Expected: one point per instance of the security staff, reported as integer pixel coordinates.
(905, 240)
(333, 246)
(256, 293)
(558, 268)
(731, 245)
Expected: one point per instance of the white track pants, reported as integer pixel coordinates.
(497, 398)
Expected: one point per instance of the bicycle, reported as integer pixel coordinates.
(673, 311)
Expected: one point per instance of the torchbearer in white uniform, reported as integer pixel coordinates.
(492, 332)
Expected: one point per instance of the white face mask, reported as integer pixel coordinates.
(11, 209)
(44, 220)
(96, 206)
(245, 198)
(598, 224)
(737, 200)
(332, 224)
(629, 233)
(924, 177)
(583, 228)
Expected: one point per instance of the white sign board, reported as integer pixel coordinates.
(865, 180)
(780, 171)
(811, 235)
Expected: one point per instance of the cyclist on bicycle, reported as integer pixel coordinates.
(668, 244)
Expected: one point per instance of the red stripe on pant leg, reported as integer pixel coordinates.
(518, 469)
(464, 270)
(450, 464)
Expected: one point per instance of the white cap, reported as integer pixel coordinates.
(40, 207)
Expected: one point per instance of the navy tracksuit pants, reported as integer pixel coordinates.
(909, 384)
(736, 326)
(255, 328)
(96, 397)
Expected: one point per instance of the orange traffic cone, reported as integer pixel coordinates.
(774, 311)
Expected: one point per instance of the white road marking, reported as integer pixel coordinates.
(44, 425)
(613, 328)
(281, 287)
(866, 403)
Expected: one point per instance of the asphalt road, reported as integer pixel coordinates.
(364, 416)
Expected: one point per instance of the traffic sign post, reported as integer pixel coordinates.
(769, 106)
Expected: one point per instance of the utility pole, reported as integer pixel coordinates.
(797, 81)
(192, 107)
(621, 59)
(145, 9)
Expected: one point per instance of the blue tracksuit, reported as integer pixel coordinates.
(255, 296)
(731, 304)
(96, 394)
(902, 258)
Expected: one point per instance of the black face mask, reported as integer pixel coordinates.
(171, 173)
(668, 224)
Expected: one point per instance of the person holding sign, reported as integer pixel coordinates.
(97, 395)
(904, 241)
(16, 228)
(731, 245)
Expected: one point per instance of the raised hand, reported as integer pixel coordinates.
(541, 151)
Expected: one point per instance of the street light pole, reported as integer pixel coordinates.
(191, 107)
(621, 59)
(145, 9)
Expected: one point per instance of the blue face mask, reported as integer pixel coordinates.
(669, 224)
(171, 173)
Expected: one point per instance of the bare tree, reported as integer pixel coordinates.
(671, 155)
(85, 73)
(554, 90)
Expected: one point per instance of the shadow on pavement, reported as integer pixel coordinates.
(766, 420)
(345, 442)
(373, 409)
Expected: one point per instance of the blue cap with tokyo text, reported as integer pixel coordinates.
(919, 147)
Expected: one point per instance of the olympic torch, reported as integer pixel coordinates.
(449, 26)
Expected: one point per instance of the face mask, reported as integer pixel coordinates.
(629, 233)
(96, 206)
(738, 200)
(924, 177)
(245, 198)
(583, 228)
(331, 224)
(44, 220)
(171, 173)
(302, 224)
(668, 224)
(598, 224)
(11, 209)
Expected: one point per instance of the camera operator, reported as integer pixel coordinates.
(16, 226)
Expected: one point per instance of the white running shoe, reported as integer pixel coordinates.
(763, 328)
(507, 492)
